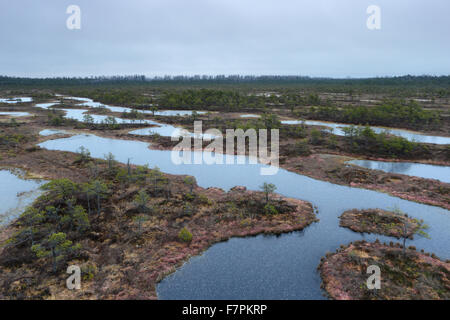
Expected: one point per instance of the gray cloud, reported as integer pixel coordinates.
(158, 37)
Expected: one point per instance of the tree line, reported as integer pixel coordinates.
(412, 84)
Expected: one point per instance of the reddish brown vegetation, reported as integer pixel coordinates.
(414, 276)
(120, 261)
(378, 221)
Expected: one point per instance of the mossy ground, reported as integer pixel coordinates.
(378, 221)
(122, 257)
(410, 276)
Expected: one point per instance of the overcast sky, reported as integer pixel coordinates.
(288, 37)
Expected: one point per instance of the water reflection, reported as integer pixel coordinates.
(409, 135)
(15, 195)
(50, 132)
(428, 171)
(16, 100)
(93, 104)
(15, 114)
(265, 267)
(250, 116)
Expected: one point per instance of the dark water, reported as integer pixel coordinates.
(265, 267)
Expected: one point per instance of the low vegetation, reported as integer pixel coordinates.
(127, 227)
(414, 276)
(392, 113)
(389, 223)
(363, 140)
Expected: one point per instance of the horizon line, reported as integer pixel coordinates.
(219, 76)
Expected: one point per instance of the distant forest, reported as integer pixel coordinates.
(439, 85)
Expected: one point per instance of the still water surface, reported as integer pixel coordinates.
(265, 267)
(409, 135)
(16, 100)
(15, 195)
(428, 171)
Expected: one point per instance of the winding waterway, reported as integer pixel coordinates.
(265, 267)
(336, 127)
(93, 104)
(165, 130)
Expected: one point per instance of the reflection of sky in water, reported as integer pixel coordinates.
(16, 100)
(250, 116)
(15, 114)
(263, 267)
(78, 114)
(15, 195)
(49, 132)
(162, 129)
(441, 173)
(266, 267)
(77, 98)
(337, 127)
(45, 105)
(411, 136)
(167, 130)
(91, 103)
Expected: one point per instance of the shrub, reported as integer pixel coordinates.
(188, 196)
(141, 200)
(316, 137)
(190, 181)
(13, 123)
(270, 209)
(202, 199)
(188, 209)
(84, 155)
(268, 188)
(55, 120)
(364, 139)
(12, 140)
(57, 247)
(395, 112)
(246, 222)
(184, 235)
(332, 142)
(88, 271)
(302, 148)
